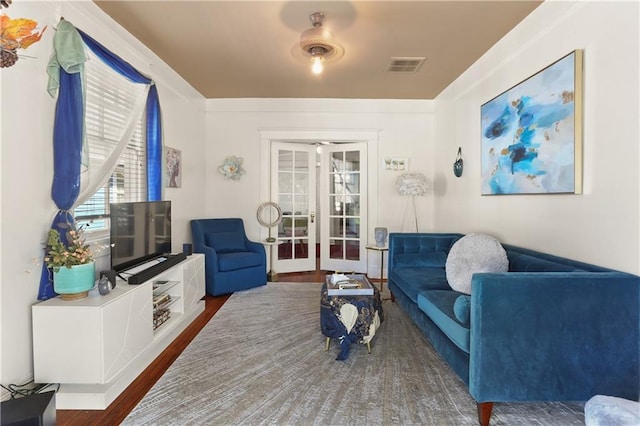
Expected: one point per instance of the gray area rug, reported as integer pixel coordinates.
(261, 360)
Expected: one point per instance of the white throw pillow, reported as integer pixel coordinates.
(474, 253)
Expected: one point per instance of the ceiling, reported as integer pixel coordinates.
(250, 49)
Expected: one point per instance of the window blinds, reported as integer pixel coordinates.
(110, 102)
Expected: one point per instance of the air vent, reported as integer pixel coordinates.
(405, 64)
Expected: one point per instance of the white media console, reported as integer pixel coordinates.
(95, 347)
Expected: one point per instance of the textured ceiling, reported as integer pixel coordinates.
(250, 49)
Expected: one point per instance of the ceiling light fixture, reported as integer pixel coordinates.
(318, 44)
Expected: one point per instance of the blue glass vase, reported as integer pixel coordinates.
(75, 282)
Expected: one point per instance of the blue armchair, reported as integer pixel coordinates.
(232, 262)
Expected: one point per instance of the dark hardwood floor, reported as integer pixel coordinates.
(120, 408)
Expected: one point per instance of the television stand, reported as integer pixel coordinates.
(95, 347)
(165, 262)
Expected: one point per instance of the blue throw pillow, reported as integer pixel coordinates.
(462, 309)
(225, 242)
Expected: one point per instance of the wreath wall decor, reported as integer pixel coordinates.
(231, 168)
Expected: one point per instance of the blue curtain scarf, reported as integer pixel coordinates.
(153, 119)
(68, 138)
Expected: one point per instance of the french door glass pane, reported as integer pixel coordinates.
(286, 203)
(337, 162)
(352, 251)
(336, 204)
(301, 183)
(352, 229)
(336, 228)
(351, 205)
(352, 161)
(285, 182)
(336, 249)
(301, 204)
(285, 159)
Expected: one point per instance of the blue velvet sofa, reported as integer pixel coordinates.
(549, 329)
(232, 262)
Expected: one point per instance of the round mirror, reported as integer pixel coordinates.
(269, 214)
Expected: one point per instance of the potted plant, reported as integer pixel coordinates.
(72, 264)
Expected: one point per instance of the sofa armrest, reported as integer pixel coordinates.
(554, 336)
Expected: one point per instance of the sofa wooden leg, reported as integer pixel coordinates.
(484, 412)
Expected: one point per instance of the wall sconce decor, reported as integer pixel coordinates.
(457, 165)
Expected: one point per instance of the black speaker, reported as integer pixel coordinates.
(187, 249)
(111, 276)
(32, 410)
(104, 286)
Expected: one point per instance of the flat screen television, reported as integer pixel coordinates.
(140, 231)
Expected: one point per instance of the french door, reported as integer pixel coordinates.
(343, 201)
(335, 214)
(293, 185)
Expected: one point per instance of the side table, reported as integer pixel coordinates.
(381, 249)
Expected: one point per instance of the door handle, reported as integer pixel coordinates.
(312, 217)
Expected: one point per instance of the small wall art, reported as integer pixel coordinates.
(19, 33)
(173, 167)
(532, 133)
(231, 168)
(395, 164)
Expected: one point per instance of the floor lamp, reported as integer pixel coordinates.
(413, 184)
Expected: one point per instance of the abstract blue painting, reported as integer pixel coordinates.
(532, 133)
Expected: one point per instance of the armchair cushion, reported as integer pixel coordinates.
(439, 306)
(231, 261)
(225, 242)
(417, 279)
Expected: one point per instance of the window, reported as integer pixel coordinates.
(110, 100)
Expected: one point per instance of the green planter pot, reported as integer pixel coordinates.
(75, 282)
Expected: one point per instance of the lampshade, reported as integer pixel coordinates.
(412, 184)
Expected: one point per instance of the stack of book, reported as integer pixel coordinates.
(160, 313)
(160, 301)
(160, 316)
(348, 285)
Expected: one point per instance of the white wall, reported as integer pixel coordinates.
(234, 126)
(600, 226)
(27, 165)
